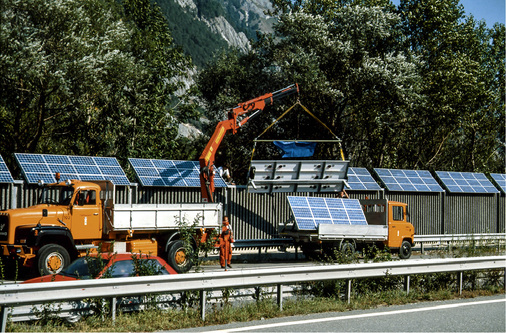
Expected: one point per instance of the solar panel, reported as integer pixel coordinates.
(500, 180)
(170, 173)
(5, 174)
(37, 167)
(309, 212)
(466, 182)
(361, 179)
(408, 180)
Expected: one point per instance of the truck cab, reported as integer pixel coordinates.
(46, 232)
(392, 214)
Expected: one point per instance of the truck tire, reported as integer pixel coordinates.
(405, 250)
(178, 258)
(347, 249)
(311, 251)
(52, 258)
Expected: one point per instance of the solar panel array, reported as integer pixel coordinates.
(500, 180)
(466, 182)
(309, 212)
(37, 167)
(361, 179)
(5, 175)
(408, 180)
(151, 172)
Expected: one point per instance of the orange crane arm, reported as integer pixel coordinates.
(237, 117)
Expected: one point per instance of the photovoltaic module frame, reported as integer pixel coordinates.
(408, 180)
(466, 182)
(152, 172)
(361, 179)
(500, 180)
(5, 174)
(309, 212)
(43, 167)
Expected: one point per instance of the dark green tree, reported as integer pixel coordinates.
(87, 78)
(352, 74)
(461, 127)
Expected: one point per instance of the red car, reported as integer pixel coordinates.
(109, 265)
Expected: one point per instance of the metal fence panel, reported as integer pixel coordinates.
(425, 210)
(256, 216)
(501, 213)
(5, 196)
(470, 214)
(29, 195)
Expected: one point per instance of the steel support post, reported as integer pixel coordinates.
(406, 283)
(203, 301)
(114, 302)
(348, 294)
(461, 274)
(280, 297)
(3, 318)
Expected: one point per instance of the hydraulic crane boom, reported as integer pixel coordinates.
(237, 117)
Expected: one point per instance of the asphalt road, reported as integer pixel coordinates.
(483, 314)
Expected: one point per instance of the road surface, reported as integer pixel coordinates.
(482, 314)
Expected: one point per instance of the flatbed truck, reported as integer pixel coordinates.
(73, 217)
(387, 227)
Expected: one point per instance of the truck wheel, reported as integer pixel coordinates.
(347, 249)
(178, 257)
(405, 250)
(52, 258)
(311, 251)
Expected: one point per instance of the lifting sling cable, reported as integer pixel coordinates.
(268, 127)
(311, 114)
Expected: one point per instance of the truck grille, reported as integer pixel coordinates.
(4, 227)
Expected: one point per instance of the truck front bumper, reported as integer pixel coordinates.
(16, 252)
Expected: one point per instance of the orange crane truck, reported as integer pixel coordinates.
(74, 217)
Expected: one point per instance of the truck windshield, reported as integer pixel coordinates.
(56, 195)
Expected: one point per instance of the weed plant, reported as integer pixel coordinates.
(191, 234)
(156, 320)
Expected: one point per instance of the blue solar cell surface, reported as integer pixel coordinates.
(361, 179)
(37, 167)
(408, 180)
(5, 174)
(466, 182)
(500, 180)
(170, 173)
(309, 212)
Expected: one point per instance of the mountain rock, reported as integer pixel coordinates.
(206, 27)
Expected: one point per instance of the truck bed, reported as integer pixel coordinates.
(357, 232)
(165, 216)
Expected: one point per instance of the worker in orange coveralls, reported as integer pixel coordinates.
(226, 240)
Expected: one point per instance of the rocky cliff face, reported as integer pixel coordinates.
(220, 26)
(233, 22)
(205, 27)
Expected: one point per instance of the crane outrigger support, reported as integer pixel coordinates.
(237, 117)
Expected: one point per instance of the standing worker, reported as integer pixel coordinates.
(226, 240)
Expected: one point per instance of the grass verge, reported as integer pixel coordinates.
(154, 320)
